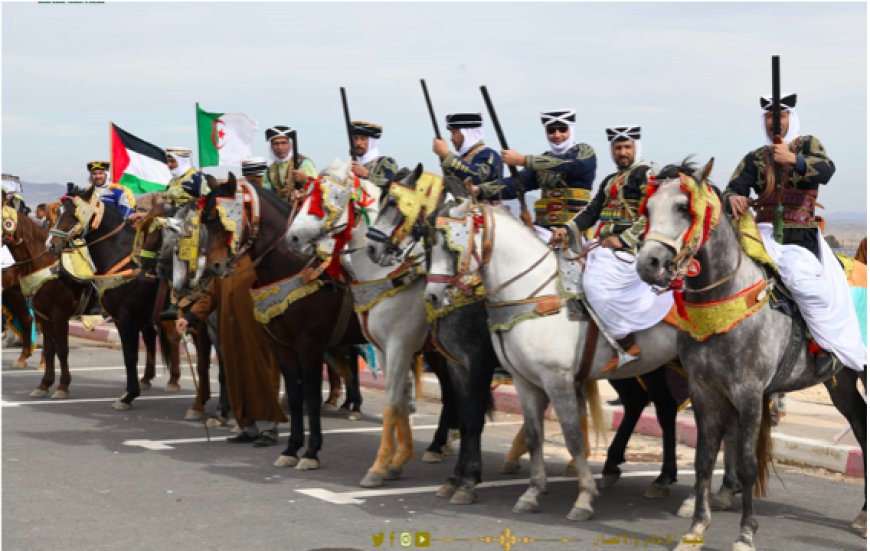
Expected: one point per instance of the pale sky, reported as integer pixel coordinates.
(689, 73)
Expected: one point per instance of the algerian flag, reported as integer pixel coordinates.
(137, 164)
(224, 138)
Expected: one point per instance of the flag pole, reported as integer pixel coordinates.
(198, 146)
(111, 157)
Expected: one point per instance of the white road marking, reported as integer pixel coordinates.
(72, 369)
(162, 445)
(6, 404)
(357, 497)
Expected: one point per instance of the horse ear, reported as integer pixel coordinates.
(211, 182)
(706, 171)
(231, 183)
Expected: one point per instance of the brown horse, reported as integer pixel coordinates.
(243, 219)
(128, 296)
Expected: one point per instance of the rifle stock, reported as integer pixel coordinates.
(518, 185)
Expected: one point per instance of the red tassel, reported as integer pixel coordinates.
(680, 302)
(814, 348)
(315, 205)
(342, 239)
(200, 203)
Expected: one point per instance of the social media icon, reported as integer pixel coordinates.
(422, 539)
(405, 539)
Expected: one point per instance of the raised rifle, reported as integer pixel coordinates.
(431, 111)
(347, 120)
(779, 211)
(295, 139)
(518, 185)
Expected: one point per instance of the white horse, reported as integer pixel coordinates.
(389, 300)
(534, 336)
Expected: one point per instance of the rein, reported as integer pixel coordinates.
(68, 248)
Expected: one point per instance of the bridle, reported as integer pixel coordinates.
(89, 216)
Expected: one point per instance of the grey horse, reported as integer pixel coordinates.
(732, 373)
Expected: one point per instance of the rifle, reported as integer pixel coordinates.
(779, 211)
(347, 121)
(518, 185)
(295, 139)
(431, 111)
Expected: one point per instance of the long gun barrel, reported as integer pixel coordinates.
(524, 210)
(779, 211)
(431, 111)
(347, 120)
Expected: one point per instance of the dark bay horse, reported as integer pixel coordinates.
(733, 368)
(239, 219)
(128, 296)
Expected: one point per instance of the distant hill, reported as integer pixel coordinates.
(36, 193)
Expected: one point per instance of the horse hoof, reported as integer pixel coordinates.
(307, 464)
(60, 395)
(193, 415)
(608, 480)
(393, 473)
(432, 457)
(687, 545)
(447, 449)
(144, 385)
(656, 491)
(577, 514)
(372, 480)
(41, 366)
(570, 470)
(860, 523)
(742, 546)
(172, 388)
(687, 509)
(121, 406)
(354, 416)
(446, 490)
(463, 497)
(329, 406)
(39, 393)
(19, 364)
(286, 461)
(213, 422)
(525, 506)
(509, 467)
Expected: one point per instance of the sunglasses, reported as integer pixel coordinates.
(557, 128)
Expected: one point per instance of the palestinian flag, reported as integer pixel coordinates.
(137, 164)
(224, 138)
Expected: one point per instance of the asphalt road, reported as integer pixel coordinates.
(79, 475)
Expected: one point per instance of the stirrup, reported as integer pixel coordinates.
(625, 350)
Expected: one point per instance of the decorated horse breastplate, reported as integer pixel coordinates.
(368, 294)
(273, 299)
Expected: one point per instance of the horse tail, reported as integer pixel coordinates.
(763, 449)
(593, 401)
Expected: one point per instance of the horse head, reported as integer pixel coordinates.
(681, 209)
(80, 212)
(403, 211)
(452, 263)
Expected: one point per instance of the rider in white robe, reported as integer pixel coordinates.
(805, 262)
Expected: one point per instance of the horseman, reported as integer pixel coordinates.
(368, 163)
(186, 183)
(805, 262)
(110, 193)
(564, 174)
(254, 170)
(473, 160)
(611, 284)
(280, 176)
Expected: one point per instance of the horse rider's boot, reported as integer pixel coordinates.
(628, 351)
(823, 364)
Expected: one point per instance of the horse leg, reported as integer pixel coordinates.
(721, 500)
(171, 340)
(352, 388)
(666, 413)
(633, 398)
(396, 374)
(565, 398)
(712, 413)
(49, 329)
(61, 351)
(149, 336)
(331, 403)
(292, 375)
(312, 381)
(129, 334)
(843, 388)
(750, 426)
(17, 304)
(203, 386)
(447, 418)
(511, 462)
(533, 401)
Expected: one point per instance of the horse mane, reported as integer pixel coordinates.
(686, 166)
